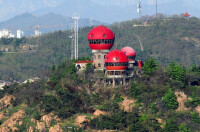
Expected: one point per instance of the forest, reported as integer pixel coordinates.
(68, 94)
(173, 39)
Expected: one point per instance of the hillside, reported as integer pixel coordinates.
(159, 100)
(174, 39)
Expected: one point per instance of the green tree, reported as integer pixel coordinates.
(49, 103)
(134, 91)
(177, 72)
(195, 117)
(171, 126)
(89, 68)
(170, 99)
(183, 128)
(150, 65)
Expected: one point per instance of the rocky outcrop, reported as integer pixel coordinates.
(2, 115)
(6, 101)
(48, 118)
(30, 129)
(9, 125)
(182, 99)
(127, 105)
(98, 113)
(198, 109)
(56, 128)
(45, 123)
(41, 126)
(80, 119)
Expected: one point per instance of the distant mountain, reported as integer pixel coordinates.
(48, 23)
(89, 9)
(115, 13)
(104, 10)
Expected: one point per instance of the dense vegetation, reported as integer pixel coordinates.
(68, 94)
(173, 39)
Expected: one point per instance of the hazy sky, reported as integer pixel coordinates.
(10, 8)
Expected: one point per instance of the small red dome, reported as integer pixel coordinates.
(101, 38)
(130, 52)
(116, 60)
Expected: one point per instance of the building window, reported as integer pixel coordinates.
(112, 73)
(101, 41)
(99, 56)
(78, 66)
(116, 64)
(94, 56)
(99, 65)
(117, 72)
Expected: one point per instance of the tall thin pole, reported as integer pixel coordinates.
(139, 8)
(156, 9)
(75, 36)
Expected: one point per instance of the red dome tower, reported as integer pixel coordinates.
(101, 39)
(131, 54)
(116, 63)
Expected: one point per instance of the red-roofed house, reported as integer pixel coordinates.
(81, 65)
(186, 15)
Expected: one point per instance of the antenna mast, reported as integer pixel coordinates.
(76, 18)
(156, 9)
(139, 8)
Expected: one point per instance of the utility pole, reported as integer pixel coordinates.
(76, 18)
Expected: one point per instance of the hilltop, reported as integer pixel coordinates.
(173, 39)
(159, 99)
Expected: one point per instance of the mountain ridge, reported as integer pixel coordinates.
(27, 22)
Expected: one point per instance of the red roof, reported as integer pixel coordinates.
(84, 62)
(100, 33)
(129, 51)
(186, 14)
(116, 56)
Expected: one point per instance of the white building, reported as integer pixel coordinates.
(20, 33)
(2, 84)
(37, 33)
(4, 33)
(31, 80)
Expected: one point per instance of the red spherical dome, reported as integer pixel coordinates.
(116, 60)
(101, 38)
(130, 52)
